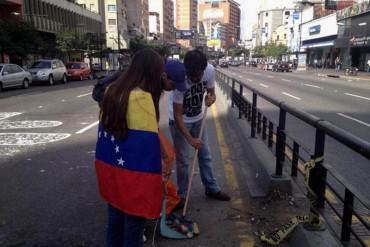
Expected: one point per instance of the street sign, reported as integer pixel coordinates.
(184, 34)
(296, 15)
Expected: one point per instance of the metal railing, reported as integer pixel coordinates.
(275, 135)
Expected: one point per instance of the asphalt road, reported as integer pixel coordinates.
(346, 103)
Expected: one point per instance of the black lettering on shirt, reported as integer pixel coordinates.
(193, 99)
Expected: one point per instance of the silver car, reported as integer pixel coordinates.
(49, 71)
(11, 75)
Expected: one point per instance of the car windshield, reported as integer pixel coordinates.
(73, 66)
(42, 65)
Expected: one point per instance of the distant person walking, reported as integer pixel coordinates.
(338, 64)
(368, 65)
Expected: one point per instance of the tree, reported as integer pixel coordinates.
(259, 52)
(18, 38)
(69, 40)
(276, 51)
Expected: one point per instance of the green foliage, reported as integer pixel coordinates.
(139, 43)
(69, 40)
(270, 50)
(18, 38)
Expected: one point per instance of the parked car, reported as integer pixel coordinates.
(224, 64)
(282, 66)
(11, 75)
(269, 66)
(252, 64)
(78, 71)
(235, 63)
(48, 71)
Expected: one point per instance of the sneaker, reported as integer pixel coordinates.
(221, 196)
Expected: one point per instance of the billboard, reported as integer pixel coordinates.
(184, 34)
(216, 43)
(213, 13)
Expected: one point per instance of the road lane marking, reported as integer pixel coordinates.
(357, 96)
(292, 96)
(310, 85)
(83, 130)
(249, 80)
(83, 95)
(29, 139)
(5, 115)
(246, 239)
(270, 76)
(286, 80)
(7, 125)
(354, 119)
(263, 85)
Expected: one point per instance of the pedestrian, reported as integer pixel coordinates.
(188, 113)
(128, 156)
(337, 64)
(368, 65)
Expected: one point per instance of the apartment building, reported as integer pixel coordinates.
(187, 19)
(164, 9)
(137, 17)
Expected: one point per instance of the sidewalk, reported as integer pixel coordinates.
(240, 221)
(361, 75)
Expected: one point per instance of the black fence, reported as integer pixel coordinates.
(353, 204)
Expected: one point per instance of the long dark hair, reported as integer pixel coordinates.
(144, 72)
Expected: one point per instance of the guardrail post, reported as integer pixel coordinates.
(271, 133)
(254, 115)
(259, 122)
(280, 144)
(232, 93)
(347, 216)
(295, 159)
(317, 180)
(264, 127)
(241, 102)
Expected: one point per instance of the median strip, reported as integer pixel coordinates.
(292, 96)
(354, 119)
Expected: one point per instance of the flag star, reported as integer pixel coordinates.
(112, 139)
(105, 134)
(117, 149)
(99, 134)
(121, 161)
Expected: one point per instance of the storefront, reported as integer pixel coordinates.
(354, 36)
(318, 41)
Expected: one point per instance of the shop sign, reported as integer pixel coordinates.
(355, 9)
(315, 30)
(296, 15)
(362, 41)
(184, 34)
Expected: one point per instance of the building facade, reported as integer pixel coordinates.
(137, 17)
(187, 19)
(115, 20)
(222, 22)
(165, 10)
(154, 25)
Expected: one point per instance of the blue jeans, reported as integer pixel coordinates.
(124, 230)
(183, 159)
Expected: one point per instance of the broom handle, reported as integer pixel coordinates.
(193, 164)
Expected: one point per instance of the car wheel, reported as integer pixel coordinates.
(26, 83)
(51, 80)
(64, 79)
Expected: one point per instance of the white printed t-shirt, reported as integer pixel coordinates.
(192, 99)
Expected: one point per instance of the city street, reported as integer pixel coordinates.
(345, 103)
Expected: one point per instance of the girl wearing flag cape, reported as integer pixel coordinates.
(128, 156)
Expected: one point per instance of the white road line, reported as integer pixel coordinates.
(240, 76)
(286, 80)
(83, 95)
(249, 80)
(357, 96)
(270, 76)
(292, 96)
(354, 119)
(83, 130)
(310, 85)
(5, 115)
(263, 85)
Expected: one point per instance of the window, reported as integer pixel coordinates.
(111, 21)
(112, 8)
(277, 38)
(92, 7)
(267, 14)
(287, 12)
(284, 35)
(266, 24)
(15, 69)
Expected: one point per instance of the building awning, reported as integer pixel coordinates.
(320, 44)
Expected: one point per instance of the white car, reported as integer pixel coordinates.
(11, 75)
(49, 71)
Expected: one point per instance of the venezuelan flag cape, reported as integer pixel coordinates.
(129, 171)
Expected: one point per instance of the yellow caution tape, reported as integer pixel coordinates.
(313, 219)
